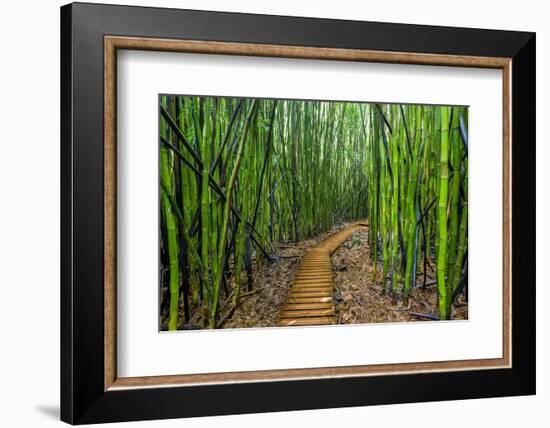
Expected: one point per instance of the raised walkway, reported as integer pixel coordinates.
(310, 300)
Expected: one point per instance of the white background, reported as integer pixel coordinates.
(29, 219)
(142, 351)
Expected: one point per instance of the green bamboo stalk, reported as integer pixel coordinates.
(442, 217)
(455, 188)
(204, 204)
(463, 233)
(227, 211)
(412, 207)
(396, 277)
(171, 235)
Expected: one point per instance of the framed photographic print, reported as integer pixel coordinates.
(265, 213)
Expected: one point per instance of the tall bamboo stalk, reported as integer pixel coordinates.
(442, 216)
(227, 211)
(171, 227)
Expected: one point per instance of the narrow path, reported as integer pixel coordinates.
(310, 301)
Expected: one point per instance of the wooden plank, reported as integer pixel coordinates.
(311, 282)
(317, 272)
(300, 306)
(309, 299)
(313, 288)
(307, 321)
(315, 267)
(314, 282)
(305, 307)
(299, 294)
(320, 265)
(320, 272)
(326, 291)
(293, 291)
(312, 274)
(316, 262)
(323, 272)
(308, 313)
(325, 278)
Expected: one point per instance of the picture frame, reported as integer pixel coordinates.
(91, 391)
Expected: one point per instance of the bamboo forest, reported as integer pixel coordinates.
(278, 213)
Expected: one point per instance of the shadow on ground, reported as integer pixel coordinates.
(49, 410)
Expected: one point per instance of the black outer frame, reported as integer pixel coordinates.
(83, 399)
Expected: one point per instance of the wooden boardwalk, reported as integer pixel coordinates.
(310, 301)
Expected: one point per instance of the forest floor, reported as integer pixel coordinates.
(358, 294)
(359, 298)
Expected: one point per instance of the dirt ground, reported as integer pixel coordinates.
(359, 298)
(358, 294)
